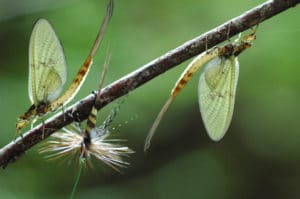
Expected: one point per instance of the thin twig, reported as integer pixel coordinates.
(80, 110)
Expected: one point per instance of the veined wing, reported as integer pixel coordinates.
(47, 65)
(217, 88)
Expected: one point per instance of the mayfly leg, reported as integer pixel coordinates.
(43, 129)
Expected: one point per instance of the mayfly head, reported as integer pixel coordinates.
(25, 118)
(31, 115)
(21, 123)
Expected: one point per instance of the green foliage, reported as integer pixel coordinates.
(259, 156)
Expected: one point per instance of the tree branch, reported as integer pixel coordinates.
(79, 111)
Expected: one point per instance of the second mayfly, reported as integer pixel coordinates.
(217, 87)
(47, 70)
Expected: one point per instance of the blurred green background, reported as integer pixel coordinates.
(258, 158)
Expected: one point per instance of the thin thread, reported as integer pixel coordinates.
(81, 162)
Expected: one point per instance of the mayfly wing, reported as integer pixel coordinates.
(217, 88)
(47, 65)
(47, 71)
(186, 75)
(83, 71)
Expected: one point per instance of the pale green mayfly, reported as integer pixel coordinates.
(217, 87)
(47, 70)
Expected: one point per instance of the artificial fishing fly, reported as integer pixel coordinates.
(89, 142)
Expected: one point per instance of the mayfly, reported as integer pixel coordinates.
(91, 141)
(217, 87)
(47, 70)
